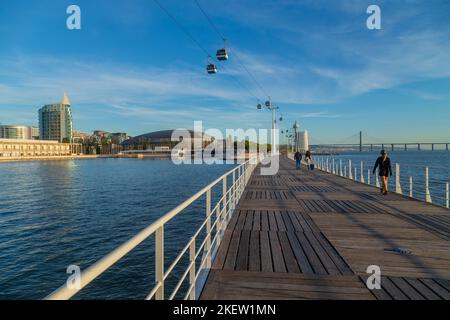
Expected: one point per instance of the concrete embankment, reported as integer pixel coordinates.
(52, 158)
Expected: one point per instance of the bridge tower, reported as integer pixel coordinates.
(360, 141)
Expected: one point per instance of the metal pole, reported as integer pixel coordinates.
(274, 148)
(356, 179)
(398, 188)
(410, 186)
(427, 187)
(233, 193)
(362, 172)
(447, 195)
(208, 228)
(192, 269)
(368, 176)
(159, 262)
(340, 167)
(350, 176)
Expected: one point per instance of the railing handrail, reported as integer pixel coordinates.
(99, 267)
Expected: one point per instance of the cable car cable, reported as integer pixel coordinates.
(190, 36)
(216, 29)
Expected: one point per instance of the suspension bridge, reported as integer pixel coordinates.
(358, 142)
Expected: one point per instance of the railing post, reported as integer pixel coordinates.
(345, 171)
(239, 183)
(192, 270)
(410, 186)
(447, 197)
(427, 187)
(362, 173)
(208, 229)
(233, 191)
(398, 187)
(224, 192)
(368, 176)
(350, 176)
(159, 262)
(340, 167)
(328, 168)
(356, 179)
(334, 172)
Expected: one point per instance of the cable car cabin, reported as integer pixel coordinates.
(222, 54)
(259, 106)
(211, 68)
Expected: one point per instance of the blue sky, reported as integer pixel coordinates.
(132, 69)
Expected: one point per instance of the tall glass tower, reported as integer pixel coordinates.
(55, 121)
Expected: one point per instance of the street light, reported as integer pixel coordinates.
(268, 104)
(295, 127)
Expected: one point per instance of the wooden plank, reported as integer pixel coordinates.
(423, 289)
(392, 289)
(257, 220)
(243, 254)
(278, 261)
(280, 222)
(266, 254)
(379, 294)
(322, 254)
(221, 255)
(272, 222)
(241, 220)
(333, 254)
(254, 263)
(440, 290)
(406, 288)
(289, 258)
(233, 248)
(296, 224)
(264, 221)
(248, 224)
(299, 254)
(312, 257)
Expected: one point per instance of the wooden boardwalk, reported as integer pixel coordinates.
(312, 235)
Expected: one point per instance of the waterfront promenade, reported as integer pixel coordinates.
(53, 158)
(312, 235)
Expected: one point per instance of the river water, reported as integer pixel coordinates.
(57, 213)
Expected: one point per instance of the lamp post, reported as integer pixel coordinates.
(296, 126)
(268, 104)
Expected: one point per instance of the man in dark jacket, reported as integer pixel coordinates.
(385, 170)
(298, 159)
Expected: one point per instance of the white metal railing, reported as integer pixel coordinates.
(222, 211)
(323, 165)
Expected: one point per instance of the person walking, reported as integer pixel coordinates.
(298, 160)
(309, 160)
(384, 166)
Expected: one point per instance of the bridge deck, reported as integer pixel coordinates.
(312, 235)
